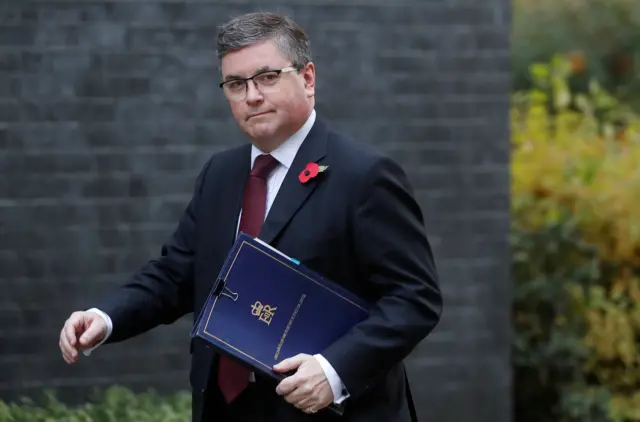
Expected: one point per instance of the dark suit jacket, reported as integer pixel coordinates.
(357, 223)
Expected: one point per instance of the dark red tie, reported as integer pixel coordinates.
(233, 378)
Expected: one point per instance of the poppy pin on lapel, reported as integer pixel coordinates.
(310, 171)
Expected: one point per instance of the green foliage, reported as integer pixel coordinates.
(576, 246)
(551, 264)
(551, 88)
(603, 37)
(116, 404)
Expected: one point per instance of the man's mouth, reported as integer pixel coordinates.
(259, 114)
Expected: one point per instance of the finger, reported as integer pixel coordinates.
(91, 335)
(309, 408)
(294, 397)
(72, 328)
(291, 363)
(68, 352)
(68, 359)
(301, 393)
(302, 401)
(65, 341)
(287, 385)
(306, 404)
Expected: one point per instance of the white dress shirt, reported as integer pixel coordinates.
(284, 154)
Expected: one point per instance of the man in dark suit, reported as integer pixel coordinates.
(356, 222)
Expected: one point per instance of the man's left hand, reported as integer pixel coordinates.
(308, 389)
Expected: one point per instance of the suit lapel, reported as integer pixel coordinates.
(293, 193)
(231, 196)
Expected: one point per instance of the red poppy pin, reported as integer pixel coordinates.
(311, 171)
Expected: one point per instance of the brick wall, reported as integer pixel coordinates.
(109, 108)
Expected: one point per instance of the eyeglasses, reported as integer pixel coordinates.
(267, 81)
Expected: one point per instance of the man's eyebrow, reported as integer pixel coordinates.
(232, 77)
(262, 69)
(259, 70)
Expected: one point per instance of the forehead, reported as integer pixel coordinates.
(248, 60)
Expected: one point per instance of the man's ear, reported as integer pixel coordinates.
(309, 76)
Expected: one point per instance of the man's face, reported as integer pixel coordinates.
(269, 117)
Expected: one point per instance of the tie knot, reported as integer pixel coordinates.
(263, 166)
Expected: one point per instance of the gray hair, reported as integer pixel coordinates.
(245, 30)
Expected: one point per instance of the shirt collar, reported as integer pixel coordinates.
(286, 152)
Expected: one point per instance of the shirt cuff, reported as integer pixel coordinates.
(107, 321)
(340, 392)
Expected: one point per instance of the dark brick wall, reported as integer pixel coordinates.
(108, 109)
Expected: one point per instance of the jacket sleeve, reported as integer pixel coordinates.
(396, 261)
(162, 291)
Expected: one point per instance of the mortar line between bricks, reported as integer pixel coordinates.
(112, 150)
(155, 100)
(449, 77)
(127, 227)
(484, 53)
(100, 278)
(102, 50)
(138, 124)
(474, 263)
(412, 121)
(443, 26)
(27, 202)
(401, 53)
(39, 358)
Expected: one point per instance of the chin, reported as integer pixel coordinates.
(262, 130)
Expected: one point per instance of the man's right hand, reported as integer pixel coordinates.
(81, 331)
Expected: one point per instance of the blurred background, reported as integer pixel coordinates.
(575, 233)
(517, 123)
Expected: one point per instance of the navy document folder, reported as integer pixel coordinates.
(266, 307)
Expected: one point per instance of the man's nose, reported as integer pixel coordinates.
(253, 93)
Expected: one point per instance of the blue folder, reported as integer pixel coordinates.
(266, 307)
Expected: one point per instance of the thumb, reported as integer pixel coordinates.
(94, 333)
(291, 363)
